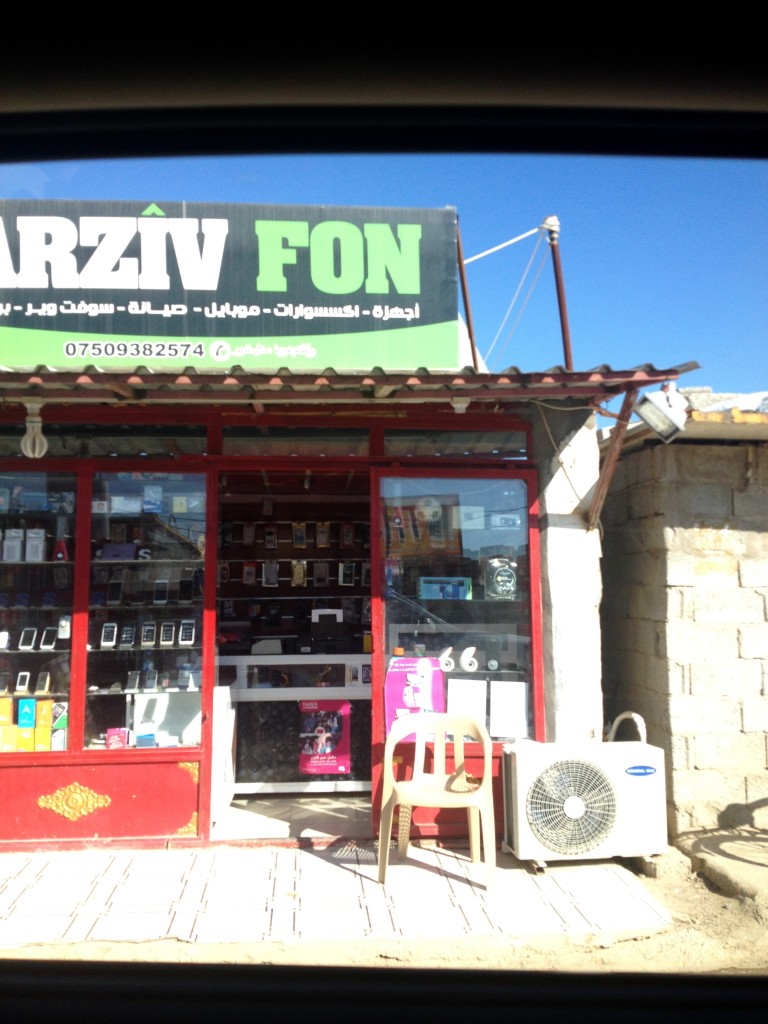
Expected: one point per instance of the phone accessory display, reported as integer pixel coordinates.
(60, 549)
(34, 549)
(500, 579)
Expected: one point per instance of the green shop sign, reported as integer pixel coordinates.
(211, 287)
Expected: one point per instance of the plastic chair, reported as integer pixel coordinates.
(434, 786)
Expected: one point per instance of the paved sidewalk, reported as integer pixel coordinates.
(254, 893)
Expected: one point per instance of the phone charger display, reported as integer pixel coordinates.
(34, 550)
(13, 544)
(27, 713)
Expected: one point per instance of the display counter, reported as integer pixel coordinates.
(281, 702)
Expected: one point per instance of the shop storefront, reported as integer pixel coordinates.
(226, 574)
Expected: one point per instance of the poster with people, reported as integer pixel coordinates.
(324, 746)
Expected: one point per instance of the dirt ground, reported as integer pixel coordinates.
(711, 934)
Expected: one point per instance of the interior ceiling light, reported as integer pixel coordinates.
(665, 412)
(33, 444)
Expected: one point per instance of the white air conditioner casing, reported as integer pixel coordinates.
(583, 801)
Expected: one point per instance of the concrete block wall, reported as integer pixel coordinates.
(685, 622)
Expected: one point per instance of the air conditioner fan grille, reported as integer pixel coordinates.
(571, 807)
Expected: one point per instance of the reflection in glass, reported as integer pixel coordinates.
(37, 534)
(145, 610)
(456, 590)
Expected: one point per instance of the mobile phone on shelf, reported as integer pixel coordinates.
(114, 592)
(186, 590)
(109, 634)
(187, 632)
(161, 592)
(133, 681)
(5, 682)
(22, 682)
(127, 635)
(27, 638)
(167, 633)
(43, 682)
(48, 639)
(148, 634)
(150, 680)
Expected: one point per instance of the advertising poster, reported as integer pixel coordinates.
(324, 746)
(115, 285)
(413, 685)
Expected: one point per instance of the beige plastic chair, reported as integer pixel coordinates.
(433, 786)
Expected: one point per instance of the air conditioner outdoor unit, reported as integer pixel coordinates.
(583, 801)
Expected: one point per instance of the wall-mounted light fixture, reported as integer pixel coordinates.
(34, 444)
(665, 412)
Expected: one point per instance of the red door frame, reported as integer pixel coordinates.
(380, 654)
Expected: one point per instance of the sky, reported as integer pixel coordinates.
(664, 260)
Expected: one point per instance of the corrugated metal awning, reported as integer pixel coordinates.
(286, 388)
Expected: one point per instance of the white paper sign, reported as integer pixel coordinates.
(509, 709)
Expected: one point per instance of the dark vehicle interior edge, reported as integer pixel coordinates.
(143, 92)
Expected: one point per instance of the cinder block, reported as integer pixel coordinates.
(711, 787)
(754, 713)
(737, 606)
(679, 753)
(737, 755)
(723, 677)
(753, 641)
(753, 572)
(646, 602)
(687, 640)
(691, 567)
(646, 499)
(695, 715)
(752, 506)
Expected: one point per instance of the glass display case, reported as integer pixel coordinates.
(37, 513)
(294, 628)
(456, 598)
(145, 610)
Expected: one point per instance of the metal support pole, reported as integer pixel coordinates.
(465, 297)
(611, 459)
(552, 224)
